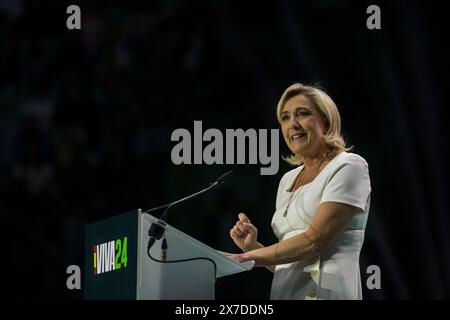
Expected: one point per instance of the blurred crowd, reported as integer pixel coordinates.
(86, 118)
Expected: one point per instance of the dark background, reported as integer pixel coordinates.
(86, 117)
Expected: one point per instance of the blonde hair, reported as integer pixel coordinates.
(326, 107)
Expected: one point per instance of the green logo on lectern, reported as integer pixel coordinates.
(110, 256)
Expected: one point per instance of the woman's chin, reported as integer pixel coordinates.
(299, 146)
(299, 150)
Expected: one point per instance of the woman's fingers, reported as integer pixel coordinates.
(250, 228)
(228, 254)
(240, 257)
(243, 218)
(241, 227)
(235, 232)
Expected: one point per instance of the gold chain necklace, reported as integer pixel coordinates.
(290, 202)
(293, 195)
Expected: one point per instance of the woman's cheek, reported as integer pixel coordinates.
(286, 138)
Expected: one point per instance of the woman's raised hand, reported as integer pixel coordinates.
(244, 233)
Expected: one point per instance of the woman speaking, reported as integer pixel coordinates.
(322, 206)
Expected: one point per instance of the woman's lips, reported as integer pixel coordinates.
(298, 136)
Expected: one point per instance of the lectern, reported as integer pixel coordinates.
(117, 265)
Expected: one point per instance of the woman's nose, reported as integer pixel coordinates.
(294, 123)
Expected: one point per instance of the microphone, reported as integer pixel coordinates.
(213, 185)
(156, 231)
(221, 180)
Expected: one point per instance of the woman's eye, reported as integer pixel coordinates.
(284, 118)
(302, 113)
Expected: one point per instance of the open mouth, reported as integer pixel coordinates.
(298, 136)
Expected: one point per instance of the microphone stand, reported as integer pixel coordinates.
(156, 231)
